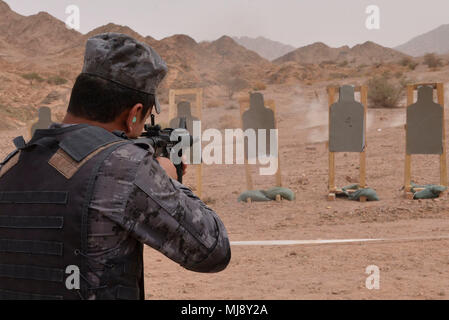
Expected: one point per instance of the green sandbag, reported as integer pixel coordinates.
(351, 187)
(369, 193)
(430, 191)
(267, 195)
(285, 193)
(254, 195)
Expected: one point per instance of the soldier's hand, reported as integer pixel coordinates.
(168, 166)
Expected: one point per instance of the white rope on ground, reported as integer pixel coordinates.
(331, 241)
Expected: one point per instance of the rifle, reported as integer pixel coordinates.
(164, 141)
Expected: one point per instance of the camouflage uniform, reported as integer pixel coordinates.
(149, 207)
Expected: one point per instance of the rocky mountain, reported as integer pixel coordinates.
(112, 27)
(434, 41)
(266, 48)
(197, 64)
(40, 59)
(366, 53)
(35, 50)
(39, 34)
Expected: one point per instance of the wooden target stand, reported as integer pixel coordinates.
(333, 190)
(198, 93)
(249, 179)
(408, 157)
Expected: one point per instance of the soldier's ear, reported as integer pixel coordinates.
(131, 118)
(138, 110)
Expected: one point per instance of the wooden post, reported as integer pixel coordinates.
(199, 108)
(408, 157)
(271, 104)
(249, 179)
(331, 181)
(364, 101)
(443, 162)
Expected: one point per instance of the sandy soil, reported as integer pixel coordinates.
(408, 269)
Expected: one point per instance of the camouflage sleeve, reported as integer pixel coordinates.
(168, 217)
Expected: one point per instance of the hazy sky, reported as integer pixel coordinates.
(294, 22)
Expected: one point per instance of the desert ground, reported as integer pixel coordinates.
(40, 59)
(409, 268)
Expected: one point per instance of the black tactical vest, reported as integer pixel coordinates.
(45, 189)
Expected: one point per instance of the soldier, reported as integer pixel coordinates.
(83, 196)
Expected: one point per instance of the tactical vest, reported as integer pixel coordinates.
(45, 189)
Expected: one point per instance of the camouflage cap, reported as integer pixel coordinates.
(126, 61)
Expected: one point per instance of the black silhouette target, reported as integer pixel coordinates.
(347, 123)
(258, 117)
(425, 124)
